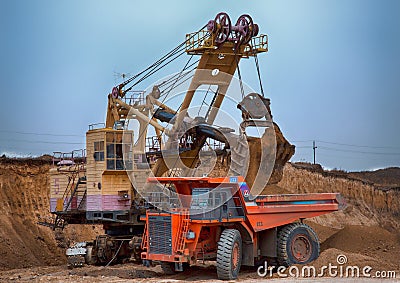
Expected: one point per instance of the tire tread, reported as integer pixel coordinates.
(224, 254)
(284, 237)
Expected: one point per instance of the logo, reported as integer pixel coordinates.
(339, 269)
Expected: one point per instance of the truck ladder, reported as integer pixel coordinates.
(144, 243)
(183, 229)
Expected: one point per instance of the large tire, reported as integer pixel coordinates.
(229, 254)
(297, 244)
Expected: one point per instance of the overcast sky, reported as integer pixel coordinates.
(332, 70)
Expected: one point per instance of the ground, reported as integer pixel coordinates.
(366, 231)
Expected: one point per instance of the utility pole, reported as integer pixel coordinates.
(314, 148)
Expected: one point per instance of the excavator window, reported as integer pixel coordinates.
(115, 158)
(98, 151)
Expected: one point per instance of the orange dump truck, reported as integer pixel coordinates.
(218, 219)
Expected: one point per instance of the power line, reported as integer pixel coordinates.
(356, 151)
(302, 141)
(370, 155)
(354, 145)
(46, 142)
(359, 157)
(345, 144)
(40, 134)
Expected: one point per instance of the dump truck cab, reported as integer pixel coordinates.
(218, 219)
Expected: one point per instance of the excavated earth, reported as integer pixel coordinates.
(366, 231)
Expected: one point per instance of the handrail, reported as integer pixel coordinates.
(201, 41)
(72, 156)
(96, 126)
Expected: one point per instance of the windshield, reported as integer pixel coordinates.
(203, 198)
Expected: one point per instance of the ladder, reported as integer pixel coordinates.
(182, 231)
(74, 193)
(144, 244)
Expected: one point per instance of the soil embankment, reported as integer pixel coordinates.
(24, 198)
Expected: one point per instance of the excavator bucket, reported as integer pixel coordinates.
(284, 151)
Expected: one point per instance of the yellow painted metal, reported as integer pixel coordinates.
(226, 62)
(202, 41)
(60, 204)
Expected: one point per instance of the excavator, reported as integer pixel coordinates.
(161, 132)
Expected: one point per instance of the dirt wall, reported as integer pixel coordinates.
(374, 205)
(23, 198)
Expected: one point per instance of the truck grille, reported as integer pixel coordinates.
(160, 235)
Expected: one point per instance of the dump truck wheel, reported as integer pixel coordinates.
(229, 254)
(297, 244)
(168, 267)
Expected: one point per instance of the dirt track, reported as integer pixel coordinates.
(366, 234)
(131, 272)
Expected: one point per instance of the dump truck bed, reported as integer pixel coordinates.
(275, 210)
(264, 211)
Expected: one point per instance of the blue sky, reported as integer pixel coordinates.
(332, 70)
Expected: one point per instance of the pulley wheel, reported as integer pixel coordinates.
(115, 92)
(245, 31)
(223, 27)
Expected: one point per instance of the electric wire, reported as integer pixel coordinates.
(349, 150)
(349, 145)
(354, 145)
(43, 142)
(40, 134)
(356, 151)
